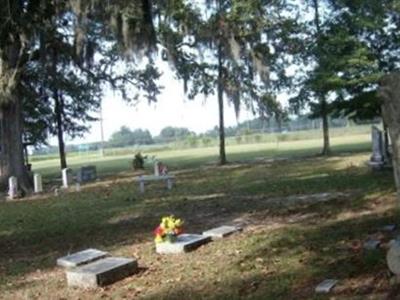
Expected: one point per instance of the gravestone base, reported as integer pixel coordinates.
(81, 258)
(221, 232)
(102, 272)
(184, 243)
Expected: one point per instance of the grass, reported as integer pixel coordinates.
(189, 158)
(289, 244)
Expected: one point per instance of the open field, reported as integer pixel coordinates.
(305, 219)
(187, 158)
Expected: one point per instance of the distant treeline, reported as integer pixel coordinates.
(125, 137)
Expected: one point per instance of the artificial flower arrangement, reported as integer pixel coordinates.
(168, 230)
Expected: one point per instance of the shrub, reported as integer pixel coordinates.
(138, 161)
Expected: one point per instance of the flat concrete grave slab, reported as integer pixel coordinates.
(372, 244)
(326, 286)
(81, 258)
(390, 227)
(184, 243)
(221, 232)
(102, 272)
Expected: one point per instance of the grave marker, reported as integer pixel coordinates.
(12, 187)
(86, 174)
(183, 243)
(326, 286)
(393, 257)
(221, 232)
(372, 244)
(81, 258)
(157, 168)
(67, 177)
(101, 272)
(37, 183)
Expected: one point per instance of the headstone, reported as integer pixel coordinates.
(12, 187)
(157, 168)
(67, 177)
(326, 286)
(377, 145)
(169, 183)
(81, 258)
(78, 187)
(221, 232)
(184, 243)
(372, 244)
(101, 272)
(86, 174)
(141, 184)
(37, 183)
(393, 257)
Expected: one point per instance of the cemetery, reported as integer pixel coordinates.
(262, 235)
(199, 149)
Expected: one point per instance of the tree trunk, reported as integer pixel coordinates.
(390, 94)
(326, 150)
(58, 109)
(11, 146)
(222, 153)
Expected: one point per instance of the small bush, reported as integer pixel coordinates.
(138, 161)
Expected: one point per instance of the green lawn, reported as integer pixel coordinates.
(189, 158)
(293, 237)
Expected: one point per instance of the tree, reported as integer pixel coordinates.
(23, 24)
(170, 133)
(126, 137)
(219, 47)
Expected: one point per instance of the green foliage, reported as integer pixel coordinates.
(138, 161)
(126, 137)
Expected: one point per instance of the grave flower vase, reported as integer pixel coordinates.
(171, 238)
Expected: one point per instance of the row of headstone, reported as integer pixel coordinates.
(84, 174)
(380, 156)
(189, 242)
(93, 268)
(13, 186)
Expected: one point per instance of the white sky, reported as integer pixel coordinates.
(172, 109)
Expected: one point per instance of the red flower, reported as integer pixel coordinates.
(159, 231)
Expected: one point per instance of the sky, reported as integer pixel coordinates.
(171, 109)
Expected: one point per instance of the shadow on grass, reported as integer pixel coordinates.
(34, 234)
(296, 260)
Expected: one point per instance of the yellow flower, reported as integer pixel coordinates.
(158, 239)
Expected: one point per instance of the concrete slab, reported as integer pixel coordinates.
(372, 244)
(102, 272)
(184, 243)
(81, 258)
(221, 232)
(326, 286)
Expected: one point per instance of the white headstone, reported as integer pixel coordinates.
(12, 187)
(157, 168)
(66, 177)
(37, 182)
